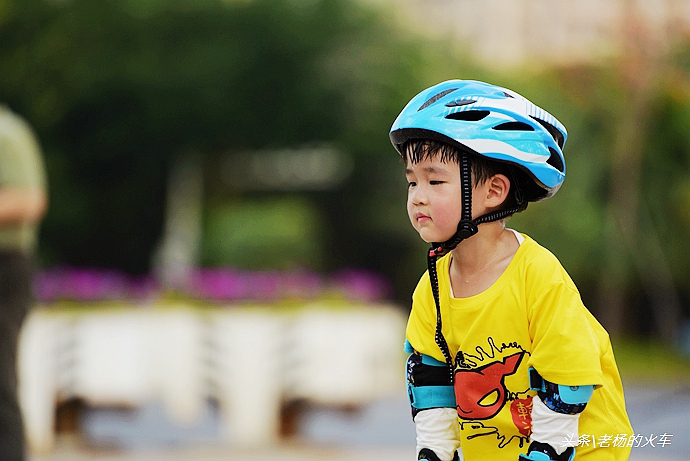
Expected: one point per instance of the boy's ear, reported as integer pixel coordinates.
(497, 189)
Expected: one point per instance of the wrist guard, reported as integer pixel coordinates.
(538, 451)
(429, 455)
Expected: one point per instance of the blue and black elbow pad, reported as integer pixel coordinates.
(428, 382)
(568, 400)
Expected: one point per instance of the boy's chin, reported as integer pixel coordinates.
(434, 239)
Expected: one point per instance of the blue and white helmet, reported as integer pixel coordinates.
(491, 121)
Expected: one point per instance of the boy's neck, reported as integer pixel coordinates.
(479, 261)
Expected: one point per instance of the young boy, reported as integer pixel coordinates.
(506, 362)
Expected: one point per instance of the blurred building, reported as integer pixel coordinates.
(502, 33)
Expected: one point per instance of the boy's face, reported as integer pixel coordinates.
(434, 194)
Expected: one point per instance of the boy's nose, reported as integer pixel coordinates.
(418, 196)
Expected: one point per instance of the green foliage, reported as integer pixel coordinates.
(665, 181)
(578, 224)
(117, 89)
(650, 362)
(281, 233)
(572, 223)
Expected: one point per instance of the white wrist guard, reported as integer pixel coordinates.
(551, 427)
(438, 430)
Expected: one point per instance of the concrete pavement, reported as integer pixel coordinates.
(281, 453)
(381, 432)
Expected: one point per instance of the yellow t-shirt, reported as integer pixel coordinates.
(532, 316)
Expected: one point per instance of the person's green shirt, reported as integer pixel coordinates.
(22, 183)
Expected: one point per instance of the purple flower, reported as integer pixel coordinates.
(217, 284)
(90, 285)
(362, 284)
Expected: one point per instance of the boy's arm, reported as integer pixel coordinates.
(429, 386)
(555, 416)
(565, 365)
(434, 413)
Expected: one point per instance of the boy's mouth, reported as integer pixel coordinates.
(421, 217)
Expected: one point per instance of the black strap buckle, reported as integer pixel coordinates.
(466, 229)
(536, 382)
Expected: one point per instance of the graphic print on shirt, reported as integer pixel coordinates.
(481, 392)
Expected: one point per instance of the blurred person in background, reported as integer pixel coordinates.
(23, 203)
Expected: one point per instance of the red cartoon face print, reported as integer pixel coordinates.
(492, 393)
(481, 393)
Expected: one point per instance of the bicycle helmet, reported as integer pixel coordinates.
(490, 121)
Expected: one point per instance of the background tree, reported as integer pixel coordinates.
(121, 90)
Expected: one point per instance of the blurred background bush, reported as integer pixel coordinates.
(253, 134)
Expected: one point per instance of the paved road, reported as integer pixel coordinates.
(283, 453)
(655, 411)
(381, 432)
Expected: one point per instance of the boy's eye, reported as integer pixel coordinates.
(410, 184)
(434, 183)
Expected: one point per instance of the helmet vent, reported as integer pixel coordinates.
(468, 115)
(435, 98)
(508, 95)
(555, 160)
(553, 131)
(513, 126)
(460, 102)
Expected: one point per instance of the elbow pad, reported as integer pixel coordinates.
(568, 400)
(428, 382)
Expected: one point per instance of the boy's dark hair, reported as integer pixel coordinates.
(483, 168)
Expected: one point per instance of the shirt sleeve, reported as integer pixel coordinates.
(421, 325)
(565, 347)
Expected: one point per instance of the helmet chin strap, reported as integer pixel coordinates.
(467, 227)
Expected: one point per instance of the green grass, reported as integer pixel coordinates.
(651, 362)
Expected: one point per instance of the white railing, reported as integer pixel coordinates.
(250, 360)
